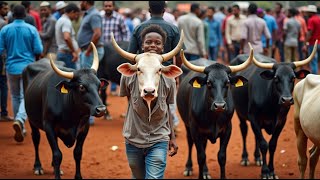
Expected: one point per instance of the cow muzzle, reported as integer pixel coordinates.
(218, 106)
(100, 111)
(286, 100)
(149, 93)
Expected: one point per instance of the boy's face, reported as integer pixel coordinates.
(153, 43)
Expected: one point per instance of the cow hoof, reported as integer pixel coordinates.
(108, 117)
(206, 175)
(273, 176)
(245, 162)
(187, 172)
(38, 171)
(259, 162)
(61, 172)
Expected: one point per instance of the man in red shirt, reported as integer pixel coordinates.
(313, 34)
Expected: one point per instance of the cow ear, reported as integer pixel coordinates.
(267, 74)
(301, 73)
(171, 71)
(197, 82)
(238, 81)
(127, 69)
(63, 87)
(103, 84)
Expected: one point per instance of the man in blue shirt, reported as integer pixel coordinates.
(272, 26)
(215, 35)
(22, 43)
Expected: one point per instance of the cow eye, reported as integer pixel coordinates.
(82, 88)
(139, 69)
(209, 85)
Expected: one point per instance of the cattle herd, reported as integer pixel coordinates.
(260, 90)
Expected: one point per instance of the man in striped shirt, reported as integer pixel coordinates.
(113, 22)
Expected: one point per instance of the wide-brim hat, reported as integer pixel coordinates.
(311, 8)
(44, 4)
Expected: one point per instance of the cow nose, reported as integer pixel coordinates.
(287, 100)
(100, 110)
(219, 107)
(149, 91)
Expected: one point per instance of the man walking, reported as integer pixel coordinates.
(22, 43)
(90, 31)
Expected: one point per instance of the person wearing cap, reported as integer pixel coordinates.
(60, 6)
(22, 43)
(90, 31)
(313, 34)
(48, 30)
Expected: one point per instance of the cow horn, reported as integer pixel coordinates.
(262, 65)
(189, 65)
(174, 51)
(306, 61)
(68, 75)
(95, 63)
(123, 53)
(245, 64)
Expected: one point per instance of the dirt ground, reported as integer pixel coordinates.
(100, 162)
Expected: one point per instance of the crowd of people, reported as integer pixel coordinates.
(65, 30)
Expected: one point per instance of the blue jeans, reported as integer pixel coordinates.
(314, 61)
(213, 53)
(17, 97)
(66, 58)
(86, 62)
(147, 163)
(191, 57)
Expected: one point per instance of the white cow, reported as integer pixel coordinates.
(307, 121)
(148, 67)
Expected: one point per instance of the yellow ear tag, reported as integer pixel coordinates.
(239, 83)
(196, 84)
(63, 90)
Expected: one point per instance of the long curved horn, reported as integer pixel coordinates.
(123, 53)
(68, 75)
(245, 64)
(199, 69)
(306, 61)
(95, 63)
(262, 65)
(174, 51)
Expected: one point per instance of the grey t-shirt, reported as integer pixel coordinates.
(292, 27)
(137, 129)
(64, 24)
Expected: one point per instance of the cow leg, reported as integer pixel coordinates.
(77, 152)
(103, 96)
(244, 132)
(263, 145)
(37, 168)
(222, 154)
(188, 169)
(302, 141)
(61, 172)
(56, 153)
(206, 174)
(314, 157)
(273, 145)
(257, 156)
(201, 153)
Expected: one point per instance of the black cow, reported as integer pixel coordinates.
(205, 104)
(265, 101)
(108, 68)
(59, 102)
